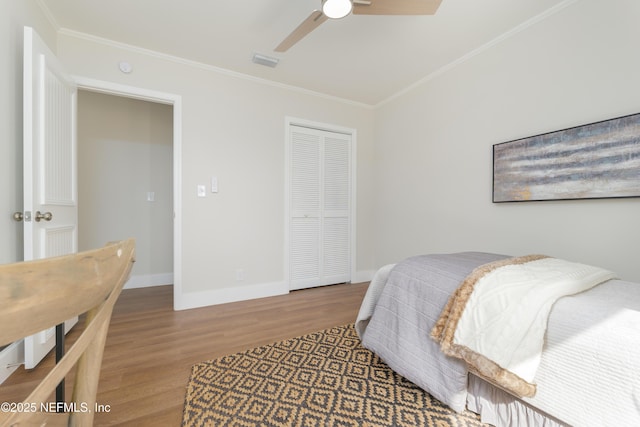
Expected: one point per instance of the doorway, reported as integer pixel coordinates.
(125, 150)
(175, 101)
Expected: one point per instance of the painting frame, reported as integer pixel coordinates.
(599, 160)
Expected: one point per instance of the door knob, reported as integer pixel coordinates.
(46, 216)
(17, 216)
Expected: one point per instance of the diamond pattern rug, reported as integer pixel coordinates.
(324, 379)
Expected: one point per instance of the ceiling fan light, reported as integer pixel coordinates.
(336, 9)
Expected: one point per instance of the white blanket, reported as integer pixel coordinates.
(497, 324)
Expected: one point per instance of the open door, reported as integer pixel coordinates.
(50, 171)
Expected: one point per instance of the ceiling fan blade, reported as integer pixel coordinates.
(397, 7)
(311, 23)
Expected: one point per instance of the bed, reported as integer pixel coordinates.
(587, 371)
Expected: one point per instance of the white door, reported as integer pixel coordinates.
(49, 155)
(320, 206)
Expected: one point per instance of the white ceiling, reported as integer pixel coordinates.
(366, 59)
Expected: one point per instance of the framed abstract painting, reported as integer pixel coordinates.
(598, 160)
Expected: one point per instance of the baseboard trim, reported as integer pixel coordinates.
(226, 295)
(11, 357)
(363, 276)
(148, 280)
(244, 293)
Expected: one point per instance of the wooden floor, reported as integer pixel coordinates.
(150, 348)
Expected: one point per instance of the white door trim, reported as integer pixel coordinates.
(294, 121)
(176, 101)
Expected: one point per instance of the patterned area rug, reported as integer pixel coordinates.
(324, 379)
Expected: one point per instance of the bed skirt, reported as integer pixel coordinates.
(499, 408)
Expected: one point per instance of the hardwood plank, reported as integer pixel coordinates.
(150, 348)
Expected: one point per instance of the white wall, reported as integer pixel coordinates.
(125, 150)
(233, 128)
(433, 148)
(14, 15)
(424, 183)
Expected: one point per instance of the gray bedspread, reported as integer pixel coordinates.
(408, 306)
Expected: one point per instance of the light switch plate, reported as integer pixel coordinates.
(214, 184)
(202, 191)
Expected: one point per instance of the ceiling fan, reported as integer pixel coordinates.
(336, 9)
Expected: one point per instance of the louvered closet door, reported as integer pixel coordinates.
(335, 212)
(304, 246)
(320, 208)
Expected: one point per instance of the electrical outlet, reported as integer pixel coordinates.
(239, 275)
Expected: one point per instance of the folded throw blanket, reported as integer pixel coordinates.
(497, 318)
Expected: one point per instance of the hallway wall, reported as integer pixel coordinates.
(125, 151)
